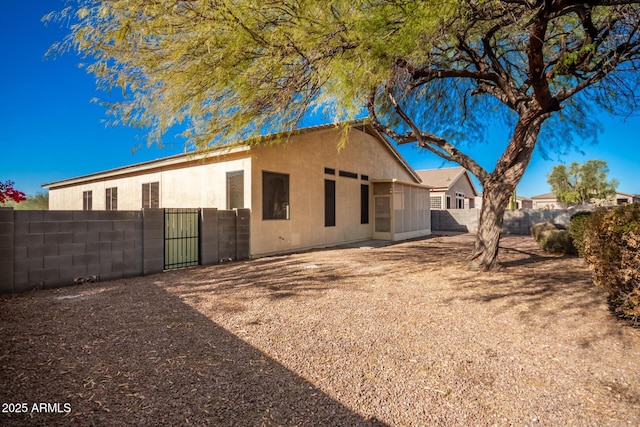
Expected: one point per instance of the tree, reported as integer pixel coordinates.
(581, 184)
(7, 193)
(434, 73)
(34, 202)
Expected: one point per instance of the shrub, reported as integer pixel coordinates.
(576, 230)
(612, 249)
(553, 238)
(540, 227)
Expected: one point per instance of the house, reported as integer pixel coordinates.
(546, 201)
(521, 202)
(626, 199)
(303, 192)
(451, 188)
(550, 201)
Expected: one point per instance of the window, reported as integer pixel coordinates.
(348, 174)
(235, 190)
(275, 195)
(459, 200)
(112, 199)
(329, 203)
(364, 203)
(329, 171)
(87, 200)
(435, 202)
(448, 202)
(151, 195)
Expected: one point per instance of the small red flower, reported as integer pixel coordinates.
(7, 192)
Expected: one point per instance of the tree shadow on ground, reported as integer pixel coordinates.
(133, 354)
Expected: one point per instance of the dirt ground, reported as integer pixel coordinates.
(400, 335)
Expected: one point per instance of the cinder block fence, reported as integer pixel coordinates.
(44, 249)
(515, 221)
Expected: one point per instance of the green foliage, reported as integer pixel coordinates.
(230, 70)
(581, 184)
(553, 238)
(436, 73)
(577, 227)
(612, 250)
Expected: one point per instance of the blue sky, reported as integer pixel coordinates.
(50, 130)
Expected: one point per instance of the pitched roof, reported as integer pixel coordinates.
(361, 125)
(444, 177)
(545, 196)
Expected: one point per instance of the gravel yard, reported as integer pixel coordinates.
(400, 335)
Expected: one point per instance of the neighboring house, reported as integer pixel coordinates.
(546, 201)
(627, 199)
(521, 202)
(451, 188)
(303, 192)
(550, 201)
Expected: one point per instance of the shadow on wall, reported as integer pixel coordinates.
(147, 357)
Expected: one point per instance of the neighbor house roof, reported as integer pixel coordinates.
(443, 178)
(242, 146)
(544, 196)
(628, 194)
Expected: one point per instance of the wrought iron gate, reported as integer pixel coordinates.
(181, 229)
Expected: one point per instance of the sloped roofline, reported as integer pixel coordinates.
(463, 171)
(545, 196)
(362, 125)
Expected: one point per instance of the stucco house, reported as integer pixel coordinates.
(451, 188)
(550, 201)
(521, 202)
(626, 199)
(303, 192)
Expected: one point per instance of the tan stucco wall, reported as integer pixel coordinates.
(198, 184)
(461, 186)
(304, 158)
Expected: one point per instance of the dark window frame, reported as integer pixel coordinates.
(240, 185)
(329, 203)
(347, 174)
(87, 200)
(275, 196)
(151, 195)
(364, 203)
(111, 199)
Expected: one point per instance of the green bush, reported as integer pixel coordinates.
(612, 249)
(552, 238)
(576, 230)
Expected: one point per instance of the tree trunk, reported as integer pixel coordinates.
(495, 198)
(500, 186)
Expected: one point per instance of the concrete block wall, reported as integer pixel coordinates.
(153, 241)
(53, 248)
(6, 248)
(465, 220)
(43, 249)
(243, 232)
(515, 221)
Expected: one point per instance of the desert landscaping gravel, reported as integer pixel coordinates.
(401, 335)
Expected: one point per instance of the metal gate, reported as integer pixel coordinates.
(181, 229)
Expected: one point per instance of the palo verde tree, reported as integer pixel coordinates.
(433, 73)
(581, 184)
